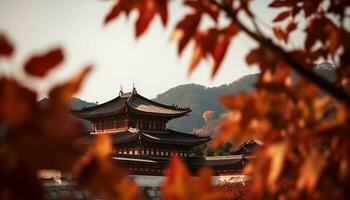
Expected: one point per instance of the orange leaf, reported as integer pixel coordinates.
(39, 65)
(61, 95)
(277, 152)
(282, 16)
(311, 170)
(186, 29)
(196, 57)
(16, 102)
(97, 172)
(179, 185)
(6, 48)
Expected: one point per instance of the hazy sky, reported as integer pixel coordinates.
(151, 62)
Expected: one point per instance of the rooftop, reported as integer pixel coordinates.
(165, 137)
(133, 102)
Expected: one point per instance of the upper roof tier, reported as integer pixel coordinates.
(134, 103)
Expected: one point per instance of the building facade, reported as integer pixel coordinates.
(143, 143)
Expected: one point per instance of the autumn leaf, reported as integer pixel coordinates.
(17, 102)
(277, 152)
(6, 48)
(147, 12)
(279, 3)
(204, 6)
(196, 58)
(40, 65)
(97, 172)
(113, 13)
(282, 16)
(311, 170)
(179, 184)
(61, 95)
(185, 30)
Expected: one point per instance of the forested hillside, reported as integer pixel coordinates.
(201, 98)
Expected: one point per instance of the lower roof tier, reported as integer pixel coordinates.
(161, 137)
(156, 166)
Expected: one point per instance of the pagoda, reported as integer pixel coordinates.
(138, 127)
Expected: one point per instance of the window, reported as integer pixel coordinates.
(110, 124)
(99, 125)
(120, 123)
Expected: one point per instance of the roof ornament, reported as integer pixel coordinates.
(134, 89)
(121, 90)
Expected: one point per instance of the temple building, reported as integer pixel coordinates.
(143, 143)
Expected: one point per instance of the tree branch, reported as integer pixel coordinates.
(337, 92)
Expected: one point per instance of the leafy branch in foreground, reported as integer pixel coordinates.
(36, 137)
(305, 132)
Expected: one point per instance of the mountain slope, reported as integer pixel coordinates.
(75, 105)
(201, 98)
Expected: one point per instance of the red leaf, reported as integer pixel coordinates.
(280, 34)
(279, 3)
(114, 13)
(219, 53)
(163, 10)
(186, 29)
(291, 27)
(39, 65)
(282, 16)
(253, 56)
(6, 48)
(204, 6)
(147, 11)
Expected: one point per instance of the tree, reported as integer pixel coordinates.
(304, 124)
(306, 132)
(36, 137)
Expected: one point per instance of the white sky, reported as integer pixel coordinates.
(151, 62)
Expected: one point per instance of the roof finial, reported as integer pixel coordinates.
(133, 88)
(121, 90)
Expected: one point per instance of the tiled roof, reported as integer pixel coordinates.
(236, 161)
(134, 102)
(168, 136)
(246, 147)
(171, 136)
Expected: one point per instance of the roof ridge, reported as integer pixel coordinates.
(98, 105)
(164, 105)
(187, 134)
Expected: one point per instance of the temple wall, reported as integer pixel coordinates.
(150, 185)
